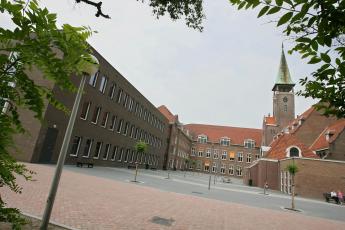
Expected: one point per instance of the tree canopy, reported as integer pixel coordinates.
(317, 29)
(190, 10)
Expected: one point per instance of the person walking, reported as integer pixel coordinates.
(340, 197)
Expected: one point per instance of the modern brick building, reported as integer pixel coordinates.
(222, 149)
(179, 142)
(113, 115)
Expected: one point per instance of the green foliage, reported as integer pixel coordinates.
(141, 147)
(34, 44)
(11, 215)
(191, 10)
(292, 169)
(317, 28)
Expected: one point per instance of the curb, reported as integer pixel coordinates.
(50, 222)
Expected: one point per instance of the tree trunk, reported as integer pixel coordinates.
(293, 193)
(136, 172)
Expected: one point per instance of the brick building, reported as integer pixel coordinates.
(316, 144)
(179, 142)
(113, 115)
(222, 149)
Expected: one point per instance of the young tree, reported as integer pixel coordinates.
(292, 169)
(317, 29)
(140, 147)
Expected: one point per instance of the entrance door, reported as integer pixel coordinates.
(48, 145)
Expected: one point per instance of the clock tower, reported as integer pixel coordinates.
(283, 103)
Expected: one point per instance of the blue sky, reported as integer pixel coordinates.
(222, 76)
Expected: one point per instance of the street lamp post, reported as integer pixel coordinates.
(89, 69)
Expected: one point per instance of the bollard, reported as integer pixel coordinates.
(168, 175)
(209, 183)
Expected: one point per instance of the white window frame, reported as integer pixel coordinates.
(239, 169)
(78, 147)
(208, 153)
(99, 150)
(215, 154)
(239, 156)
(93, 79)
(249, 158)
(89, 150)
(107, 148)
(202, 139)
(224, 154)
(249, 143)
(99, 109)
(113, 155)
(103, 84)
(106, 119)
(231, 170)
(87, 111)
(224, 141)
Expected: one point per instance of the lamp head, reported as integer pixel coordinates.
(90, 65)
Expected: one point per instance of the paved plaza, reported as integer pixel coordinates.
(104, 198)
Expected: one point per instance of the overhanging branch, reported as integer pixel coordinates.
(98, 5)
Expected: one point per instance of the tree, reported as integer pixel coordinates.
(292, 169)
(35, 42)
(317, 29)
(191, 10)
(140, 147)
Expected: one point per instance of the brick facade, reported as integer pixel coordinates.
(113, 115)
(314, 176)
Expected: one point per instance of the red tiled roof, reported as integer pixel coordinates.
(321, 142)
(270, 121)
(303, 116)
(283, 142)
(166, 112)
(214, 133)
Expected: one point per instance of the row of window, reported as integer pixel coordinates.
(231, 170)
(125, 128)
(89, 148)
(225, 141)
(225, 155)
(128, 102)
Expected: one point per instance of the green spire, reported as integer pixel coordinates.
(283, 81)
(283, 77)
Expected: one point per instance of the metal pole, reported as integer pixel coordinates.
(209, 183)
(62, 156)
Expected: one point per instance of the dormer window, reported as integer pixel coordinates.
(293, 151)
(202, 139)
(225, 141)
(249, 143)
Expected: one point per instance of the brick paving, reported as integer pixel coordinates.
(88, 202)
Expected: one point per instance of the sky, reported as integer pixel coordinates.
(222, 76)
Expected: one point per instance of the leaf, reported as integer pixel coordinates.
(273, 10)
(314, 60)
(285, 18)
(279, 2)
(314, 45)
(263, 11)
(325, 58)
(241, 5)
